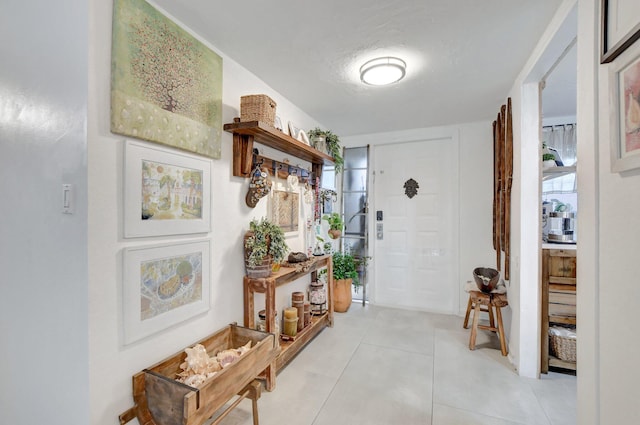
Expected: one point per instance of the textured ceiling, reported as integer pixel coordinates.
(462, 55)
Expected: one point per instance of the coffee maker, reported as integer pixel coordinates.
(559, 227)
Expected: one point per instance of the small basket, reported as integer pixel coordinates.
(563, 347)
(257, 107)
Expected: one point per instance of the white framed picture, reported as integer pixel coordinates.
(166, 192)
(163, 285)
(624, 94)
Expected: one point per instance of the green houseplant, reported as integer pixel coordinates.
(332, 142)
(264, 244)
(345, 274)
(335, 224)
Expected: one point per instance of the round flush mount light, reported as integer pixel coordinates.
(383, 71)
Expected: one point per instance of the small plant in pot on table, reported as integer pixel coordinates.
(345, 274)
(264, 244)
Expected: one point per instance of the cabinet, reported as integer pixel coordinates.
(268, 287)
(558, 300)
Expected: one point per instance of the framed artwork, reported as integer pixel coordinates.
(163, 285)
(166, 192)
(620, 27)
(166, 86)
(624, 92)
(285, 210)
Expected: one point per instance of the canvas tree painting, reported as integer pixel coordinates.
(166, 86)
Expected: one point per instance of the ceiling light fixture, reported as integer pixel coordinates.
(383, 71)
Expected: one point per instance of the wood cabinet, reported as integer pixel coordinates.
(558, 300)
(268, 287)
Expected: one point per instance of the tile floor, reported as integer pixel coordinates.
(387, 366)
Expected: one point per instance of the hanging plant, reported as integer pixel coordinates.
(333, 145)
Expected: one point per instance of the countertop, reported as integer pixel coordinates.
(547, 245)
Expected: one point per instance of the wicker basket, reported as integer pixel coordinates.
(257, 107)
(563, 347)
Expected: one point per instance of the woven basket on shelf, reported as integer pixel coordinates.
(257, 107)
(563, 347)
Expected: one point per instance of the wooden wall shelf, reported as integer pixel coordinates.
(245, 133)
(267, 286)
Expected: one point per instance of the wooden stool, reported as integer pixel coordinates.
(478, 300)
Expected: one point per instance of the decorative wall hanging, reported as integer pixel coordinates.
(502, 182)
(164, 285)
(166, 192)
(285, 210)
(411, 188)
(259, 186)
(624, 94)
(166, 86)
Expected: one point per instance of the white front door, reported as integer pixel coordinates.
(416, 261)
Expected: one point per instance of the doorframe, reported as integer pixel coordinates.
(411, 136)
(525, 286)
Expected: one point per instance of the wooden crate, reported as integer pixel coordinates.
(161, 400)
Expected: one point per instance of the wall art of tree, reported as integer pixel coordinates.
(165, 65)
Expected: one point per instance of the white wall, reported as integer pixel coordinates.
(614, 226)
(113, 364)
(43, 252)
(475, 189)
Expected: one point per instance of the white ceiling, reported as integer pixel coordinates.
(462, 55)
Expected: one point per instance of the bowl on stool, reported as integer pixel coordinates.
(486, 278)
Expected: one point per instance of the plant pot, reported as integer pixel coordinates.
(260, 271)
(341, 295)
(335, 233)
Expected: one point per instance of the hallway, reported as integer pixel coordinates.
(387, 366)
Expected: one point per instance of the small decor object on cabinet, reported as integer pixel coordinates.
(166, 192)
(624, 91)
(264, 243)
(345, 274)
(164, 285)
(258, 107)
(317, 298)
(335, 224)
(332, 143)
(411, 188)
(176, 101)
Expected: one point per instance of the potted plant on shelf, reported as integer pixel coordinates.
(345, 274)
(335, 224)
(548, 160)
(330, 144)
(264, 244)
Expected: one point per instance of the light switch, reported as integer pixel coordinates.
(67, 198)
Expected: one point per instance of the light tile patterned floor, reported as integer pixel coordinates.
(386, 366)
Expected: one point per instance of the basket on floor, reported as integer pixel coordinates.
(257, 107)
(563, 347)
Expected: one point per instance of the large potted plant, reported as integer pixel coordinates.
(326, 140)
(335, 224)
(345, 274)
(264, 244)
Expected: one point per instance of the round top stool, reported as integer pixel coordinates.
(477, 300)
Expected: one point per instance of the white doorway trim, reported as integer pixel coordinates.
(526, 324)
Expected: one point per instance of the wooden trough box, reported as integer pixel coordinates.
(161, 400)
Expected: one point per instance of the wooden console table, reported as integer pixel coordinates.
(268, 287)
